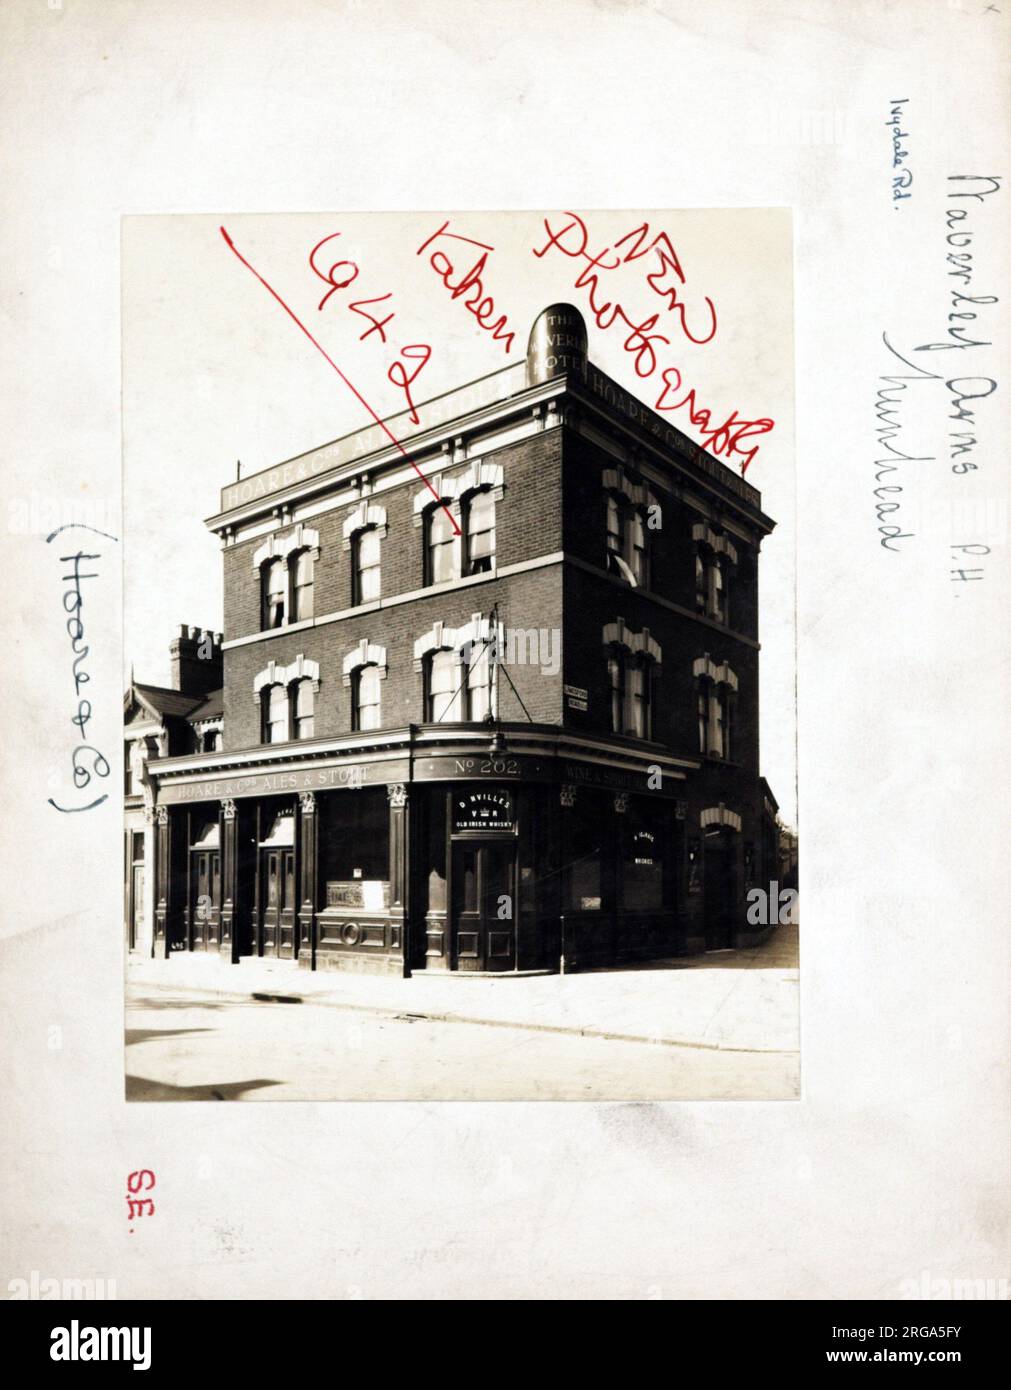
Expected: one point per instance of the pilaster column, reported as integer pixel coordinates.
(308, 859)
(163, 882)
(399, 926)
(228, 946)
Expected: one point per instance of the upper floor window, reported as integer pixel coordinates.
(715, 557)
(286, 696)
(304, 709)
(626, 540)
(443, 687)
(480, 515)
(275, 594)
(364, 672)
(285, 565)
(629, 675)
(365, 551)
(275, 714)
(632, 659)
(367, 698)
(631, 509)
(441, 547)
(716, 694)
(210, 741)
(301, 574)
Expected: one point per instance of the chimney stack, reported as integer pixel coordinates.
(196, 661)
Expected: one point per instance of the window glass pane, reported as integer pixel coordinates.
(636, 678)
(444, 682)
(442, 548)
(303, 586)
(276, 588)
(637, 547)
(481, 531)
(616, 673)
(277, 715)
(304, 707)
(368, 713)
(481, 670)
(367, 561)
(642, 866)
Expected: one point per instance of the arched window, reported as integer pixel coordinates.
(632, 660)
(365, 570)
(481, 676)
(714, 558)
(367, 698)
(275, 714)
(301, 573)
(627, 551)
(480, 531)
(442, 550)
(716, 694)
(304, 708)
(275, 593)
(629, 674)
(443, 687)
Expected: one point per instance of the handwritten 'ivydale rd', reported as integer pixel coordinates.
(73, 604)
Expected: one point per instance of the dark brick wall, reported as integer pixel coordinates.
(530, 599)
(528, 524)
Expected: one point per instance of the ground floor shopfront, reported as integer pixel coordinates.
(439, 853)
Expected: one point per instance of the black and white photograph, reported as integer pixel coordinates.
(461, 751)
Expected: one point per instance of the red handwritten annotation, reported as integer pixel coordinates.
(571, 240)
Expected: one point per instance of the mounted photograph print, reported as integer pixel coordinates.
(459, 715)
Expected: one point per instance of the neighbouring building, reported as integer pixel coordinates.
(499, 717)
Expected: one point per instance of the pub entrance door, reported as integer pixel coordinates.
(720, 888)
(205, 886)
(205, 899)
(484, 904)
(277, 910)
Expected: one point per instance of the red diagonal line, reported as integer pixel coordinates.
(349, 384)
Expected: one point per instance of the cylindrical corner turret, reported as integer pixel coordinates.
(557, 344)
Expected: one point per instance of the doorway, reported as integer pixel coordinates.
(484, 904)
(205, 899)
(277, 913)
(720, 877)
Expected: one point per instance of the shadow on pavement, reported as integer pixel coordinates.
(140, 1088)
(139, 1035)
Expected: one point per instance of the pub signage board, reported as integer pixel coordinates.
(487, 809)
(344, 776)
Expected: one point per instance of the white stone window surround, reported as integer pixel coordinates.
(275, 674)
(439, 637)
(719, 815)
(279, 546)
(718, 544)
(719, 675)
(362, 517)
(453, 488)
(640, 495)
(364, 653)
(617, 634)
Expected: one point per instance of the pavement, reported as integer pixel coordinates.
(722, 1025)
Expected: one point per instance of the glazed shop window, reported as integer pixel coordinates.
(584, 856)
(367, 702)
(641, 865)
(365, 566)
(480, 528)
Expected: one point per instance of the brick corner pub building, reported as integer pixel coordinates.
(525, 741)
